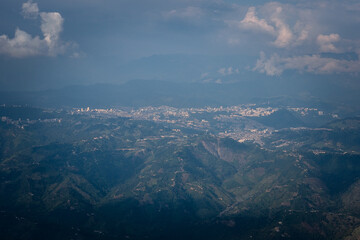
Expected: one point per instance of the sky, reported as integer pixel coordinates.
(54, 43)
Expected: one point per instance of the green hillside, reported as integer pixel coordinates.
(116, 178)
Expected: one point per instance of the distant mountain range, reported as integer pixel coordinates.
(139, 93)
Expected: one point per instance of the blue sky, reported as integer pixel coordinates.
(53, 43)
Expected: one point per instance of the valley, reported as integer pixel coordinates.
(219, 173)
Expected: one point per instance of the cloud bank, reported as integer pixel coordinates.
(295, 37)
(274, 25)
(24, 45)
(276, 65)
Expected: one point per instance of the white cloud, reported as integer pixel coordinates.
(184, 13)
(30, 9)
(274, 25)
(218, 81)
(299, 29)
(275, 65)
(283, 32)
(289, 26)
(204, 75)
(51, 26)
(228, 71)
(233, 41)
(326, 42)
(252, 22)
(24, 45)
(302, 32)
(267, 66)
